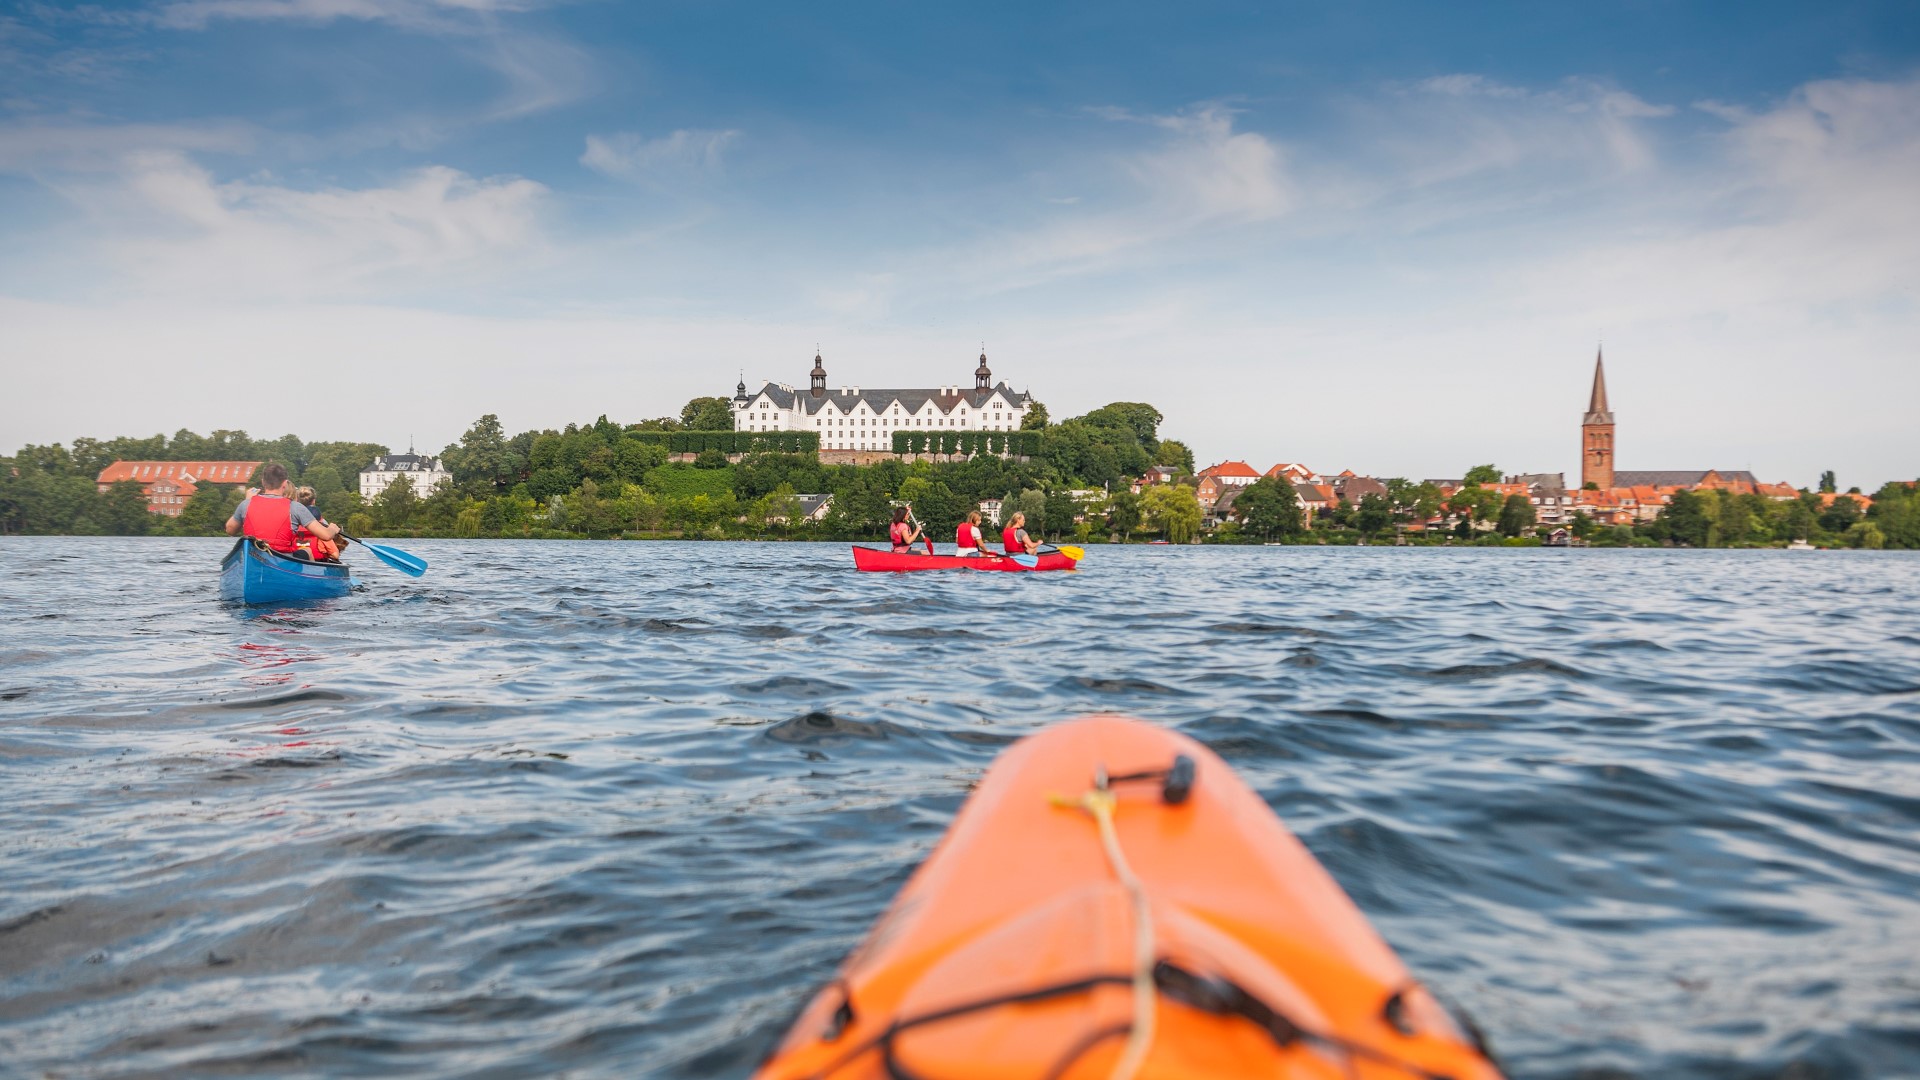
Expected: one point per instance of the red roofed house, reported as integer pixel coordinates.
(1231, 473)
(1294, 473)
(168, 485)
(1155, 474)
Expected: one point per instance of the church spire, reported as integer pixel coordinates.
(818, 376)
(1596, 433)
(1597, 411)
(982, 375)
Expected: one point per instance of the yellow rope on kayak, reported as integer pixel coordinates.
(1100, 803)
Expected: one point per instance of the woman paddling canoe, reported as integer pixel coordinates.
(902, 534)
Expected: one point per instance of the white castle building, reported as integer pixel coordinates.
(424, 473)
(849, 418)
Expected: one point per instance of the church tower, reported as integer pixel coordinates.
(982, 378)
(1596, 433)
(819, 376)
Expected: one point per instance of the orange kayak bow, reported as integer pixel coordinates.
(1113, 902)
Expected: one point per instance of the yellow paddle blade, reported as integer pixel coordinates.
(1071, 552)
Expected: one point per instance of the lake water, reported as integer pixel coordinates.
(553, 809)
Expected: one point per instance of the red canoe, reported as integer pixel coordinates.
(866, 558)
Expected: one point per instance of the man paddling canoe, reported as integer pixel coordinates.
(269, 516)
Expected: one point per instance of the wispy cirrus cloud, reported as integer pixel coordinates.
(197, 14)
(1196, 175)
(638, 159)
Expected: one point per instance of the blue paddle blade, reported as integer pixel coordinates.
(408, 564)
(1028, 561)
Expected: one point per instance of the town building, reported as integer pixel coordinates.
(423, 473)
(1294, 473)
(170, 485)
(1155, 474)
(1598, 471)
(850, 418)
(814, 507)
(990, 510)
(1231, 473)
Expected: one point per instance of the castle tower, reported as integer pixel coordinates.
(982, 378)
(740, 391)
(1596, 433)
(819, 376)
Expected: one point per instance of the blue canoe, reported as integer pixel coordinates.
(254, 574)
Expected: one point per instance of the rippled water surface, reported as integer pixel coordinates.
(615, 809)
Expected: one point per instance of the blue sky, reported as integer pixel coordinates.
(1383, 237)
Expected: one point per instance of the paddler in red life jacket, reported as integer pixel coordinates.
(267, 515)
(902, 535)
(967, 539)
(1015, 539)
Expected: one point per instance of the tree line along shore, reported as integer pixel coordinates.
(688, 478)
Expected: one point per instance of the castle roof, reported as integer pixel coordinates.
(402, 463)
(847, 398)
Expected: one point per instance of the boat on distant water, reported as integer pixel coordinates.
(253, 573)
(1799, 545)
(866, 558)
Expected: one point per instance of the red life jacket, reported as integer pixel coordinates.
(1010, 539)
(898, 533)
(270, 519)
(968, 538)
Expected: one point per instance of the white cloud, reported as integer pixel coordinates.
(196, 14)
(172, 229)
(638, 159)
(37, 146)
(1197, 177)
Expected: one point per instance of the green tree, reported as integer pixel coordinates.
(1475, 504)
(1136, 418)
(1174, 454)
(1516, 515)
(206, 513)
(1035, 417)
(707, 414)
(394, 507)
(1840, 516)
(1482, 474)
(1827, 484)
(1269, 508)
(1865, 534)
(122, 511)
(482, 462)
(1375, 515)
(1173, 511)
(1123, 512)
(1057, 518)
(1583, 526)
(1686, 519)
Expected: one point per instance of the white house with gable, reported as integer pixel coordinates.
(849, 418)
(424, 473)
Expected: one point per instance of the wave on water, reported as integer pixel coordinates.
(1639, 813)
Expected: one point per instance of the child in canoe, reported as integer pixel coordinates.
(322, 550)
